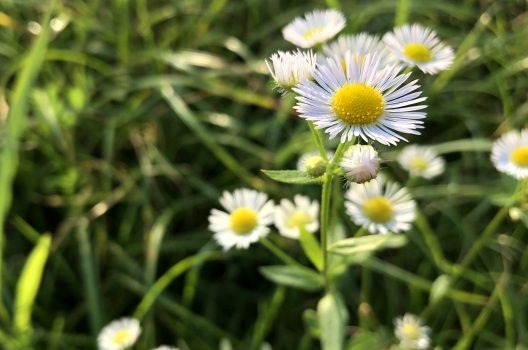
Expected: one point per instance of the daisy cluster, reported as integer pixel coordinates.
(122, 334)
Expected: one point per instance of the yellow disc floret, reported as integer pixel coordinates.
(121, 337)
(378, 209)
(418, 164)
(411, 331)
(358, 104)
(243, 220)
(298, 219)
(519, 156)
(417, 52)
(311, 33)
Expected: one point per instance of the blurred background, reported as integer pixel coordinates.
(133, 116)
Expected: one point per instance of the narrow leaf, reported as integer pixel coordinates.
(332, 319)
(293, 276)
(29, 283)
(311, 248)
(293, 177)
(369, 243)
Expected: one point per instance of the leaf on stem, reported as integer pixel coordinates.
(369, 243)
(293, 177)
(293, 276)
(311, 248)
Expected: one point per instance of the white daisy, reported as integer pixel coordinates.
(249, 213)
(315, 28)
(360, 163)
(359, 45)
(509, 154)
(289, 68)
(421, 161)
(290, 216)
(119, 334)
(312, 163)
(364, 100)
(380, 207)
(411, 333)
(416, 45)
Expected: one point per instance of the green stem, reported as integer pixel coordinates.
(318, 141)
(279, 253)
(325, 209)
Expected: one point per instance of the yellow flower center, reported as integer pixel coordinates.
(357, 104)
(519, 156)
(243, 220)
(121, 337)
(310, 33)
(378, 209)
(417, 52)
(411, 331)
(418, 164)
(298, 219)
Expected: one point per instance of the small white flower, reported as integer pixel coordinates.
(290, 68)
(249, 213)
(315, 28)
(166, 347)
(119, 334)
(411, 333)
(313, 164)
(290, 216)
(380, 207)
(364, 100)
(416, 45)
(421, 161)
(359, 45)
(360, 163)
(509, 154)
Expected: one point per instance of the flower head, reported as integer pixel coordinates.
(249, 213)
(380, 207)
(291, 216)
(290, 68)
(359, 45)
(411, 333)
(509, 154)
(360, 163)
(416, 45)
(364, 100)
(314, 28)
(421, 161)
(119, 334)
(313, 164)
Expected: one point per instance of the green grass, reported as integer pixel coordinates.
(119, 133)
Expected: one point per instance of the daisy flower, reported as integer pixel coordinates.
(119, 334)
(509, 154)
(313, 164)
(380, 207)
(411, 333)
(359, 45)
(416, 45)
(360, 163)
(314, 28)
(289, 68)
(421, 161)
(249, 213)
(364, 100)
(290, 216)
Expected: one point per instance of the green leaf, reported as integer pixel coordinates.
(293, 177)
(293, 276)
(311, 248)
(29, 283)
(332, 317)
(369, 243)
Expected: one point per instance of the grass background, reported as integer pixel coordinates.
(120, 131)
